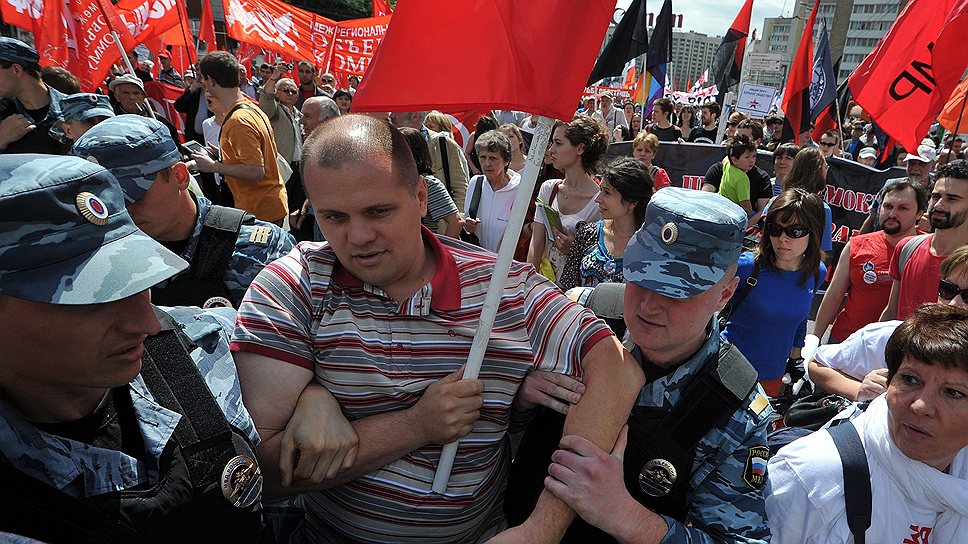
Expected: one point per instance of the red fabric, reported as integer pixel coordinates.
(354, 44)
(742, 25)
(246, 53)
(824, 123)
(162, 98)
(523, 50)
(952, 116)
(919, 282)
(90, 32)
(381, 8)
(206, 28)
(869, 291)
(906, 80)
(51, 36)
(277, 26)
(796, 98)
(16, 13)
(464, 123)
(146, 19)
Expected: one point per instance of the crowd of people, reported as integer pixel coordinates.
(257, 331)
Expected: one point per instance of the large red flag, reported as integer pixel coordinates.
(206, 26)
(51, 37)
(354, 45)
(277, 26)
(728, 59)
(539, 63)
(796, 98)
(381, 8)
(146, 19)
(23, 14)
(96, 49)
(906, 80)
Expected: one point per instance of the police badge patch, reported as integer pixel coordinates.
(755, 472)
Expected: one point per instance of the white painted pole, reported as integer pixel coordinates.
(495, 288)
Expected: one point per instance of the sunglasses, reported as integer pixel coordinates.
(328, 80)
(792, 231)
(948, 291)
(731, 124)
(828, 144)
(288, 91)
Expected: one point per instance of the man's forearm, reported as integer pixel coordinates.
(250, 172)
(613, 380)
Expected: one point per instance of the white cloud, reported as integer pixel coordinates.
(714, 17)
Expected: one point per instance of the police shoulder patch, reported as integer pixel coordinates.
(260, 235)
(754, 474)
(759, 404)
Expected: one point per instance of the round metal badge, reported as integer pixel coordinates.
(217, 302)
(657, 477)
(92, 208)
(669, 233)
(241, 481)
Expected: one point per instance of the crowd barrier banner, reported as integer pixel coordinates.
(851, 186)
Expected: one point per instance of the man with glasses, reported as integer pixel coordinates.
(855, 368)
(916, 264)
(307, 82)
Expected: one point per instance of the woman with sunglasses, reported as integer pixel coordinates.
(768, 323)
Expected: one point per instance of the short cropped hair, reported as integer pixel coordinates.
(920, 191)
(953, 170)
(934, 334)
(61, 79)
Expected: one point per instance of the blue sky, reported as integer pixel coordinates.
(713, 17)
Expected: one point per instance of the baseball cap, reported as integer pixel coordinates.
(133, 148)
(688, 240)
(164, 54)
(189, 73)
(84, 106)
(66, 238)
(926, 153)
(17, 52)
(867, 153)
(126, 78)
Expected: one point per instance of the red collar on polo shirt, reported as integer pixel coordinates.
(445, 283)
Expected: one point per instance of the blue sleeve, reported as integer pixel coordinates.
(826, 244)
(801, 334)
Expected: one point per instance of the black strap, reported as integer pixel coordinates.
(476, 198)
(216, 243)
(857, 478)
(173, 379)
(445, 162)
(734, 302)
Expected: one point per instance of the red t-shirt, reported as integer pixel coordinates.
(919, 282)
(870, 283)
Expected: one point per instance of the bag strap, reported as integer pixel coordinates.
(857, 478)
(908, 249)
(445, 161)
(554, 192)
(734, 302)
(216, 243)
(476, 197)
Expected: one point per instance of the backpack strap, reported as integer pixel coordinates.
(908, 249)
(216, 243)
(476, 197)
(857, 478)
(734, 302)
(445, 162)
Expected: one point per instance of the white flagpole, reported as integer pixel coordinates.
(495, 288)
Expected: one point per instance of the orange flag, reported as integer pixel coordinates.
(952, 116)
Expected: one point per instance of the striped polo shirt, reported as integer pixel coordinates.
(376, 355)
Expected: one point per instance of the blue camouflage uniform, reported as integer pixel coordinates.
(135, 149)
(46, 136)
(66, 239)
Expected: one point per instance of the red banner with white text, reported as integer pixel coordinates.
(277, 26)
(146, 19)
(354, 45)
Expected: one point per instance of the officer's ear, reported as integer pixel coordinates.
(179, 172)
(729, 287)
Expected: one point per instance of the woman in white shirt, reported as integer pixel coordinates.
(498, 187)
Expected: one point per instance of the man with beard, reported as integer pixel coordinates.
(863, 271)
(919, 166)
(916, 265)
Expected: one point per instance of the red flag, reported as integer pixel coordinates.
(728, 60)
(824, 122)
(246, 53)
(23, 14)
(796, 98)
(907, 78)
(161, 97)
(464, 123)
(96, 49)
(354, 45)
(276, 26)
(146, 19)
(206, 26)
(381, 8)
(548, 42)
(952, 116)
(51, 37)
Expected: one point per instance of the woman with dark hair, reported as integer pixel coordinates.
(440, 205)
(783, 157)
(809, 173)
(343, 101)
(596, 255)
(768, 323)
(687, 121)
(518, 153)
(576, 148)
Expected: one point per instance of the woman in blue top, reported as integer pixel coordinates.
(769, 324)
(596, 255)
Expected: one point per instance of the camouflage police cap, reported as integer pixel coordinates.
(84, 106)
(18, 52)
(687, 242)
(66, 238)
(133, 148)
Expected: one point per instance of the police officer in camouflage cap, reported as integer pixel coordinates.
(82, 111)
(119, 422)
(694, 454)
(226, 247)
(29, 109)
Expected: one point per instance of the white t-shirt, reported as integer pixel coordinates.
(494, 210)
(589, 213)
(861, 353)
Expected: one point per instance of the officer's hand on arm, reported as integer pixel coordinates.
(549, 389)
(875, 383)
(592, 483)
(447, 410)
(14, 128)
(318, 442)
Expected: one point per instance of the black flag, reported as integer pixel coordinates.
(630, 40)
